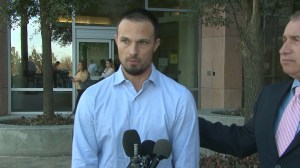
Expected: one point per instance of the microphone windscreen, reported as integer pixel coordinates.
(147, 148)
(162, 149)
(130, 137)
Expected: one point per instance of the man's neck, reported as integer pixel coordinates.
(138, 80)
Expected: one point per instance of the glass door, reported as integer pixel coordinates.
(94, 53)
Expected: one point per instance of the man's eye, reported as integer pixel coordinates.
(296, 38)
(144, 42)
(125, 41)
(283, 39)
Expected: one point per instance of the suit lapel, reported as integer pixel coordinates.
(294, 143)
(282, 91)
(276, 95)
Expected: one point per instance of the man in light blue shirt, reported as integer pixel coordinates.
(136, 97)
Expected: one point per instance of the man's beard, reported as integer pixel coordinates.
(134, 70)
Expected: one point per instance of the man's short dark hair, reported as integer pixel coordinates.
(141, 15)
(295, 15)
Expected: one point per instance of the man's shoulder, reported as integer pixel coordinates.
(171, 84)
(99, 86)
(106, 82)
(278, 88)
(281, 84)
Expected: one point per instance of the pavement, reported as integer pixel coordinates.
(35, 162)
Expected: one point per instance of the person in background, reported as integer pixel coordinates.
(109, 70)
(102, 65)
(81, 76)
(274, 130)
(138, 97)
(92, 68)
(55, 73)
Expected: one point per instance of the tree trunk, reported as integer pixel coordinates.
(24, 50)
(252, 64)
(48, 102)
(252, 55)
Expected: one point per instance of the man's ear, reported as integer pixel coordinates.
(156, 45)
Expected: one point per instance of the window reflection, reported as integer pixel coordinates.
(32, 77)
(26, 66)
(33, 101)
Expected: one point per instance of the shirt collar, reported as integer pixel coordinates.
(296, 83)
(154, 76)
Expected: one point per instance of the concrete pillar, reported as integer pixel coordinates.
(221, 71)
(3, 67)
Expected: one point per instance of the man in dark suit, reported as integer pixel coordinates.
(260, 133)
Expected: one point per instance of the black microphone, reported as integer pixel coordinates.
(162, 150)
(147, 152)
(131, 142)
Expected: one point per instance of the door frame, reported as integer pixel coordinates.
(96, 34)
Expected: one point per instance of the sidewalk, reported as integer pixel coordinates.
(35, 162)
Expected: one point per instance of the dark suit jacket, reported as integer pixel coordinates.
(257, 135)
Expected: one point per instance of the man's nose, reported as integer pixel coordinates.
(285, 48)
(133, 49)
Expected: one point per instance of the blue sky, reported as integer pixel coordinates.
(35, 41)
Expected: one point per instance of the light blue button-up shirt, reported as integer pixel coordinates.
(162, 109)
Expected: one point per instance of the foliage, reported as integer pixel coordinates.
(57, 119)
(236, 112)
(66, 63)
(62, 33)
(212, 12)
(216, 13)
(15, 62)
(227, 161)
(37, 59)
(13, 11)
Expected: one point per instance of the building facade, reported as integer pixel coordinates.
(204, 59)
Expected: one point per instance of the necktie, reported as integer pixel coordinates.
(288, 124)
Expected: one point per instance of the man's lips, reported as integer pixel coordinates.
(134, 61)
(286, 61)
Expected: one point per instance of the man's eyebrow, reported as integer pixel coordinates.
(296, 36)
(291, 36)
(144, 39)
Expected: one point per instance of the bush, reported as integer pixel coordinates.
(226, 161)
(57, 119)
